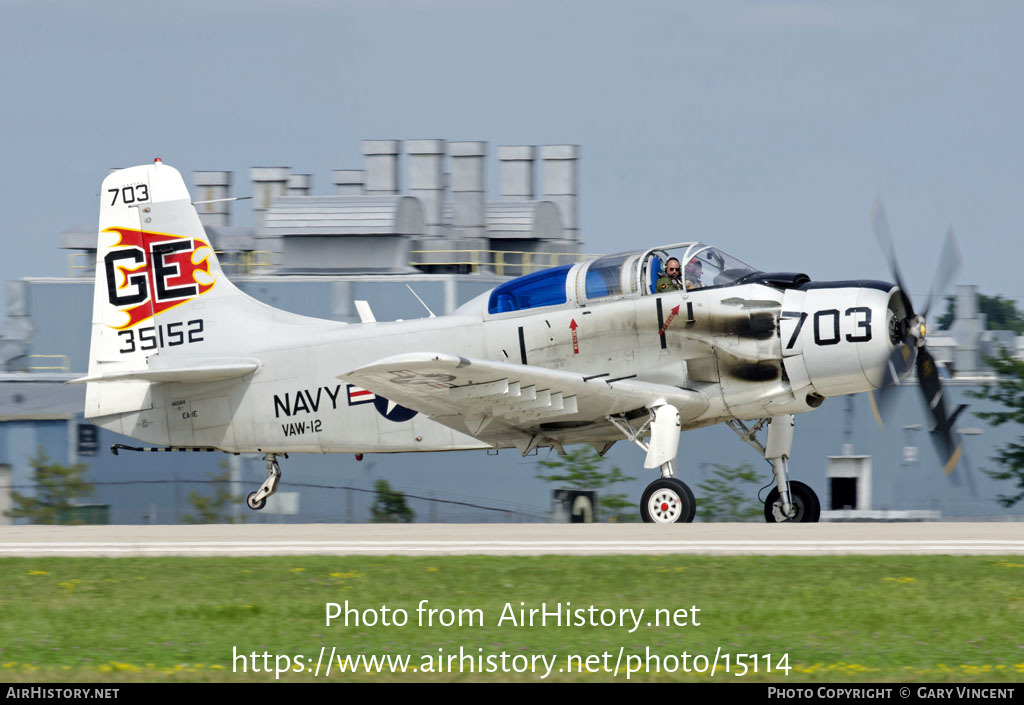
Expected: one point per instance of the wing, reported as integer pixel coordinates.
(507, 404)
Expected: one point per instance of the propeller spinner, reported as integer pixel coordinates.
(907, 331)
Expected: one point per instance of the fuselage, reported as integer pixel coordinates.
(753, 350)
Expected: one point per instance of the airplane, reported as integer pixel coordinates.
(587, 353)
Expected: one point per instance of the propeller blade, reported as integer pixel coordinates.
(901, 360)
(968, 473)
(949, 264)
(881, 226)
(942, 423)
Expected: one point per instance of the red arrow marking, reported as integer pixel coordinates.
(675, 312)
(575, 338)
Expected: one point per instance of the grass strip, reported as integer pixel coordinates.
(853, 618)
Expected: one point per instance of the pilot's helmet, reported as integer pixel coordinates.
(694, 269)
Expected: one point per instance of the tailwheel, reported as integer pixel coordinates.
(258, 499)
(667, 501)
(806, 507)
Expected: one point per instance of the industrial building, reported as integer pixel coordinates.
(415, 228)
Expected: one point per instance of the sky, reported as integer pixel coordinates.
(766, 128)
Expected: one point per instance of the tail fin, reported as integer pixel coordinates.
(152, 256)
(158, 283)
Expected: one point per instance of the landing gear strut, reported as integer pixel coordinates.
(789, 501)
(258, 499)
(667, 500)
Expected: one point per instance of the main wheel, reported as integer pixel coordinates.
(667, 501)
(250, 500)
(808, 508)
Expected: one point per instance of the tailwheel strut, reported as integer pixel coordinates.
(258, 499)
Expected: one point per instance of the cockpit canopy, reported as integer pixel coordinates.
(618, 275)
(543, 288)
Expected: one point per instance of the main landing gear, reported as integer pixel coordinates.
(667, 500)
(789, 500)
(258, 499)
(803, 502)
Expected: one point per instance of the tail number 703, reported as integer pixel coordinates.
(826, 326)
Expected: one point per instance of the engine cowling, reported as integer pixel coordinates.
(837, 336)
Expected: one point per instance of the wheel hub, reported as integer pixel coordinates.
(796, 507)
(665, 507)
(667, 501)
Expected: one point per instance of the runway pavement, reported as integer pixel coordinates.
(990, 538)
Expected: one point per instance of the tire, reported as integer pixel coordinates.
(255, 506)
(667, 501)
(808, 508)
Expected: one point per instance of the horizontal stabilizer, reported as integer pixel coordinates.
(209, 371)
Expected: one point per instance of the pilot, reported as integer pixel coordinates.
(694, 269)
(670, 280)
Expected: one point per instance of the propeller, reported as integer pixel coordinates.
(907, 330)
